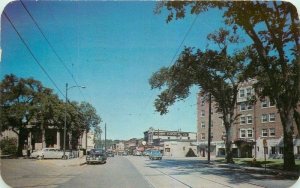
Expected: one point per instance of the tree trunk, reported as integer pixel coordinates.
(21, 138)
(288, 155)
(228, 148)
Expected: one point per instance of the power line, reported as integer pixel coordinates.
(52, 48)
(186, 34)
(36, 60)
(179, 47)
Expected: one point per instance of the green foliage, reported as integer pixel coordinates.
(9, 146)
(215, 72)
(26, 101)
(273, 27)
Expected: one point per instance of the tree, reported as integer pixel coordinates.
(273, 28)
(97, 137)
(18, 97)
(91, 119)
(215, 72)
(49, 112)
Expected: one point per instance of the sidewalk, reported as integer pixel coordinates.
(261, 170)
(65, 163)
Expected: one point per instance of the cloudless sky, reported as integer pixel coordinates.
(111, 48)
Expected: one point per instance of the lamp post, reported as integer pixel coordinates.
(65, 126)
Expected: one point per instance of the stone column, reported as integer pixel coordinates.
(70, 140)
(58, 139)
(43, 138)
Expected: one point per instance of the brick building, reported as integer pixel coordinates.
(257, 123)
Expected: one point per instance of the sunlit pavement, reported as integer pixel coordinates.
(194, 172)
(39, 173)
(168, 172)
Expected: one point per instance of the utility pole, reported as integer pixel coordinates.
(209, 129)
(105, 137)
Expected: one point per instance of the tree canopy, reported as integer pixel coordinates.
(27, 101)
(273, 28)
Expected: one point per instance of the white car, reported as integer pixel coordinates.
(49, 153)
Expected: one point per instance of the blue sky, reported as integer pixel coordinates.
(111, 48)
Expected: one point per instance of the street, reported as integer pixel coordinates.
(132, 171)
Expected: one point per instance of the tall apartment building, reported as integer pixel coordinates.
(258, 125)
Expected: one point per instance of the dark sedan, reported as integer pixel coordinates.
(96, 156)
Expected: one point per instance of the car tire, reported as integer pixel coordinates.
(40, 157)
(65, 157)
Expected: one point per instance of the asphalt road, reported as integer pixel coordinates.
(132, 172)
(118, 172)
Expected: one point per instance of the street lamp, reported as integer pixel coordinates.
(65, 126)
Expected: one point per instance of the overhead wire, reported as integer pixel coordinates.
(179, 47)
(36, 60)
(52, 48)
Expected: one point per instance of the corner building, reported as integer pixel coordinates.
(258, 128)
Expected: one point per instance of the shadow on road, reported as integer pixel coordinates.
(233, 174)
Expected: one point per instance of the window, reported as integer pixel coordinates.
(202, 102)
(264, 118)
(273, 150)
(249, 107)
(248, 91)
(242, 93)
(281, 150)
(272, 132)
(272, 117)
(249, 119)
(202, 136)
(243, 133)
(298, 149)
(242, 120)
(249, 133)
(203, 124)
(183, 148)
(167, 149)
(243, 106)
(189, 138)
(271, 104)
(202, 113)
(264, 103)
(211, 135)
(264, 133)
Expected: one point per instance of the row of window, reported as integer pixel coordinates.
(264, 104)
(264, 118)
(249, 119)
(202, 136)
(248, 133)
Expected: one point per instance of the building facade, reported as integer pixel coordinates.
(257, 130)
(170, 143)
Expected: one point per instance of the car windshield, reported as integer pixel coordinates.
(155, 152)
(96, 152)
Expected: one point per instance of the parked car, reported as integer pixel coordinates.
(49, 153)
(96, 156)
(146, 153)
(155, 154)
